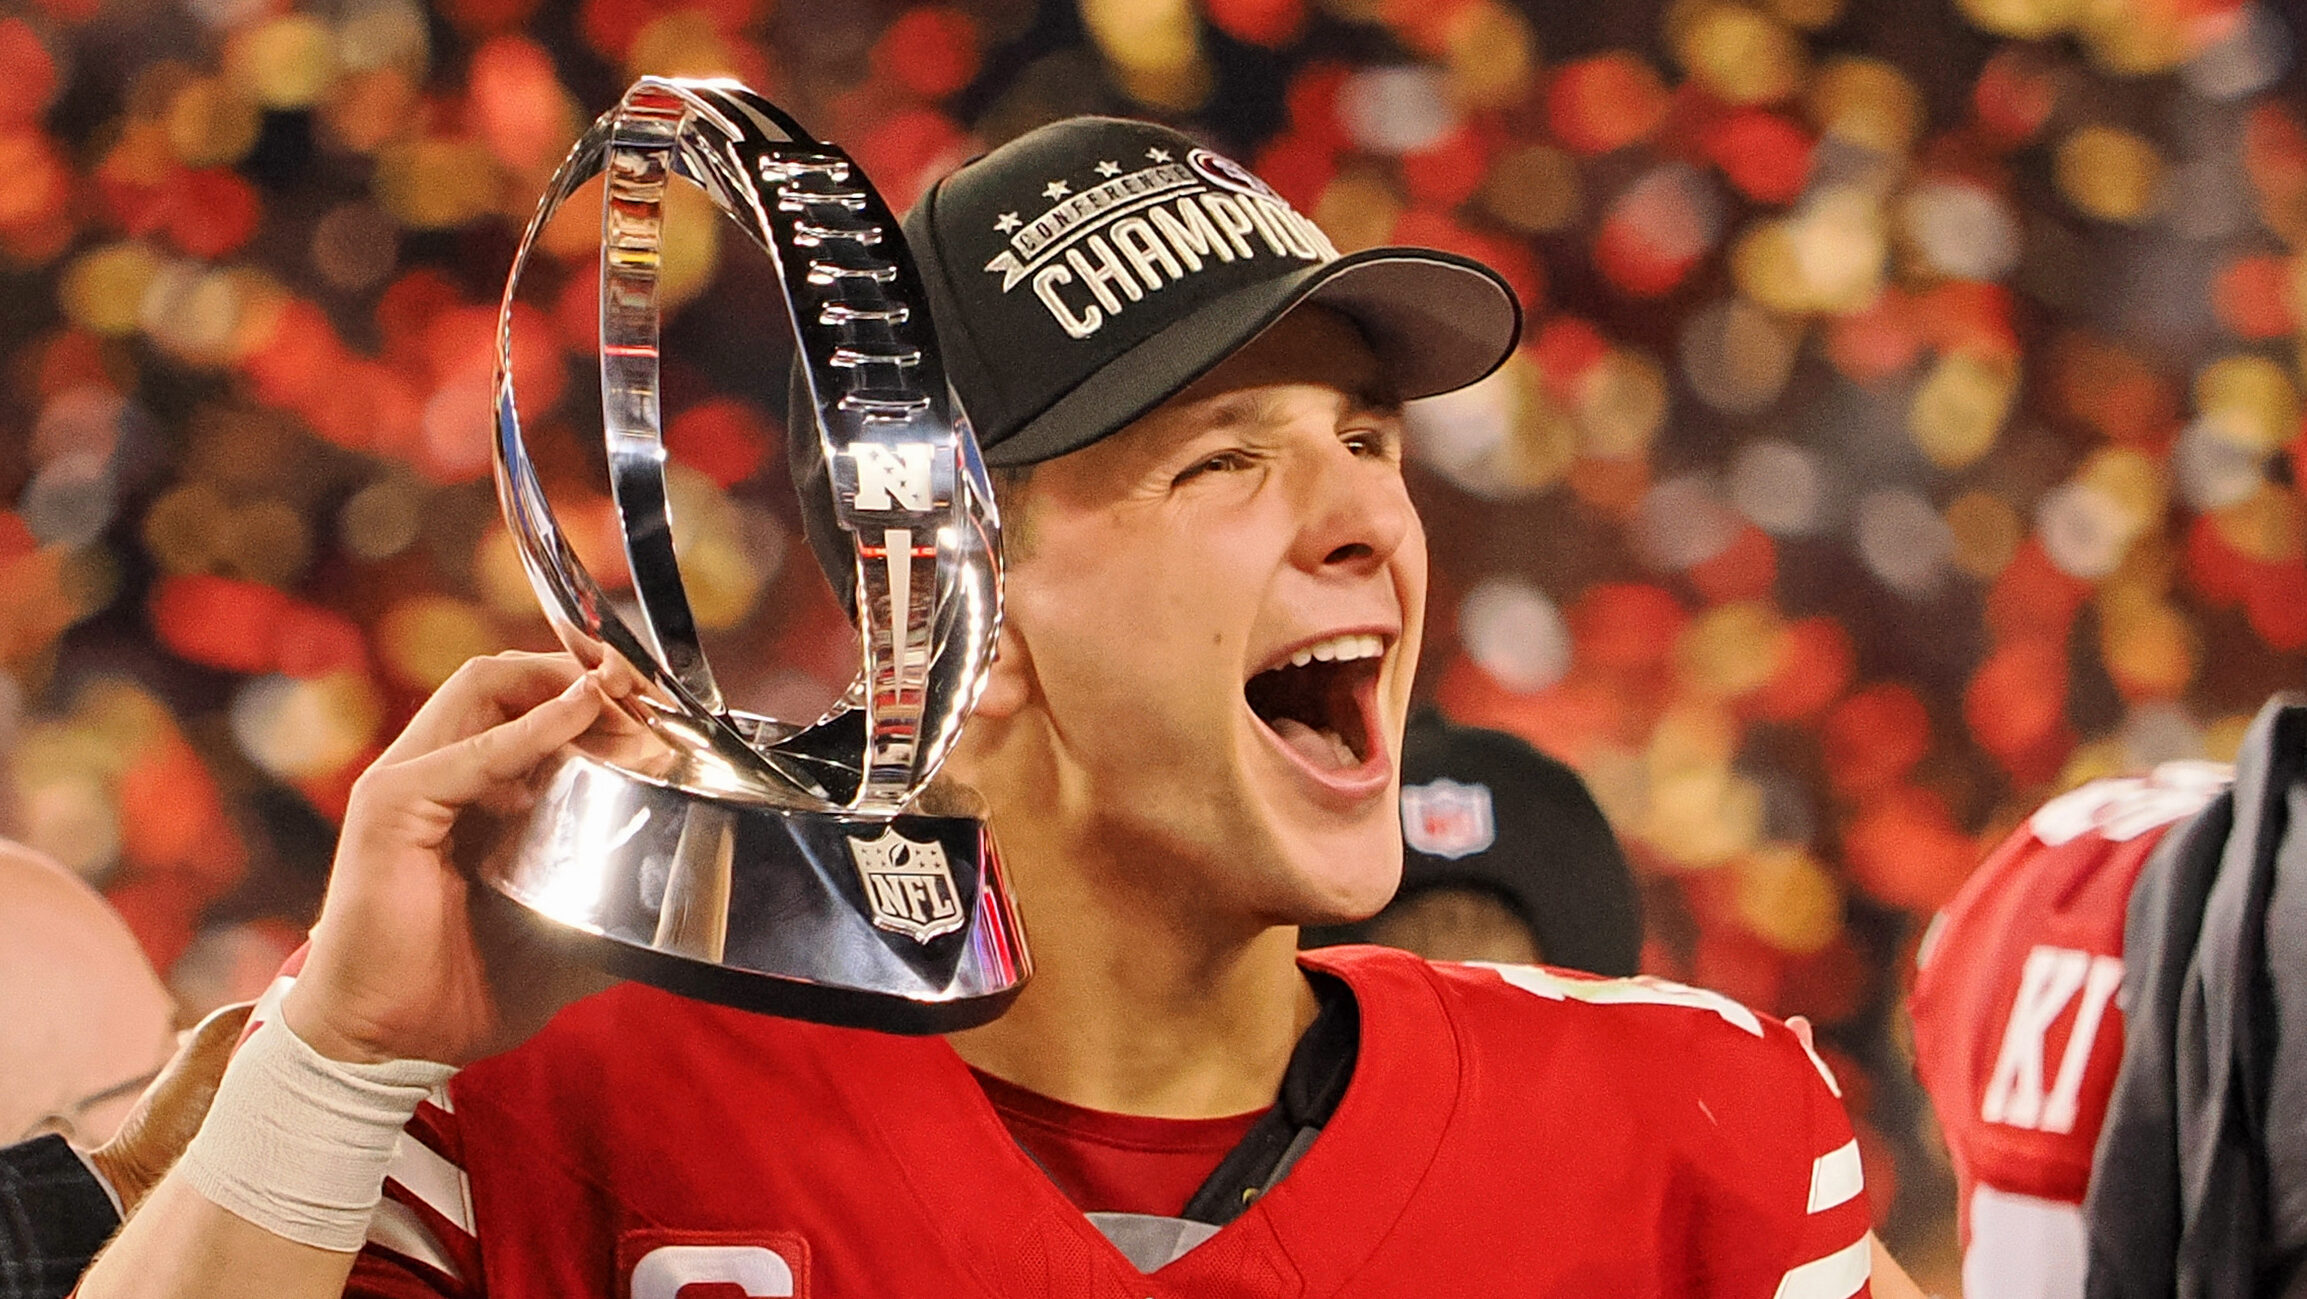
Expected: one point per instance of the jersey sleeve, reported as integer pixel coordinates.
(422, 1240)
(1778, 1199)
(1766, 1198)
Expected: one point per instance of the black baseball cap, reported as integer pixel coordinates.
(1483, 810)
(1088, 270)
(1085, 272)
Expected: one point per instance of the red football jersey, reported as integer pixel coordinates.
(1508, 1131)
(2017, 1036)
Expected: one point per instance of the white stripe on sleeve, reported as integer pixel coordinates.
(1835, 1177)
(396, 1227)
(442, 1186)
(1837, 1276)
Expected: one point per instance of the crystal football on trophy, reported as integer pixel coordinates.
(783, 867)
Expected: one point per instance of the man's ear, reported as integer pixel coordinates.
(1010, 683)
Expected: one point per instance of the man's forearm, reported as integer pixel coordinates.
(181, 1246)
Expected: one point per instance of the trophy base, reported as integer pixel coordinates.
(900, 924)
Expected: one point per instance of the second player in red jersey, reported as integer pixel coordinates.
(2017, 1032)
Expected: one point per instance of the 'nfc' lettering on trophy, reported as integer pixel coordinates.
(908, 886)
(899, 477)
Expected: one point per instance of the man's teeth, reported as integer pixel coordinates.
(1339, 649)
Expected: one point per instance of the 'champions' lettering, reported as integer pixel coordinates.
(1096, 268)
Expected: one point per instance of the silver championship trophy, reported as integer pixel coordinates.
(770, 865)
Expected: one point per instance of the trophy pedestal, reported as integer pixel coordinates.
(900, 924)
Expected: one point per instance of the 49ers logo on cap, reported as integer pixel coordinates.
(1448, 819)
(908, 886)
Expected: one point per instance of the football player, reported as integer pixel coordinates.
(2017, 1033)
(1215, 586)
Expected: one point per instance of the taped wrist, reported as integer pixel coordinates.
(298, 1143)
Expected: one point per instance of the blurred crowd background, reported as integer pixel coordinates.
(1906, 428)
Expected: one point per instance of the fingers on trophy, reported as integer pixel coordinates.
(768, 864)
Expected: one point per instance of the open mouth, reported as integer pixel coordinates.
(1321, 701)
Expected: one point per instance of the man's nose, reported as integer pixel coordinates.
(1356, 514)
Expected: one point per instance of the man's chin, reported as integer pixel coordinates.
(1345, 888)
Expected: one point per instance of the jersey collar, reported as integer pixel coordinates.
(1323, 1221)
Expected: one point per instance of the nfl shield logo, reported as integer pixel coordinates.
(1447, 819)
(908, 885)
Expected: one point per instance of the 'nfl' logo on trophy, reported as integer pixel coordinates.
(908, 886)
(1447, 819)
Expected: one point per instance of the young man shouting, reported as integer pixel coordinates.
(1188, 748)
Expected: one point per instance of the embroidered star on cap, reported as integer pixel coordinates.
(1158, 155)
(1007, 222)
(1056, 190)
(1109, 169)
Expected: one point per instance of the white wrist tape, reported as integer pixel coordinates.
(298, 1143)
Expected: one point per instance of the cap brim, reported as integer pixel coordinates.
(1436, 321)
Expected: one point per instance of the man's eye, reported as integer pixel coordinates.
(1224, 462)
(1375, 444)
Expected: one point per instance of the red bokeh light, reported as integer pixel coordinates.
(2114, 390)
(1874, 738)
(1766, 156)
(931, 51)
(1271, 23)
(2252, 297)
(2275, 603)
(906, 151)
(725, 439)
(1449, 171)
(38, 182)
(2016, 701)
(1877, 343)
(2014, 95)
(2032, 599)
(312, 641)
(1566, 349)
(481, 17)
(1746, 569)
(211, 212)
(1299, 167)
(516, 102)
(1904, 849)
(1626, 625)
(1739, 965)
(1313, 104)
(1606, 102)
(219, 622)
(29, 72)
(1817, 667)
(160, 910)
(1968, 315)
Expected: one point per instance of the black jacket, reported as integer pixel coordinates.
(2199, 1184)
(54, 1216)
